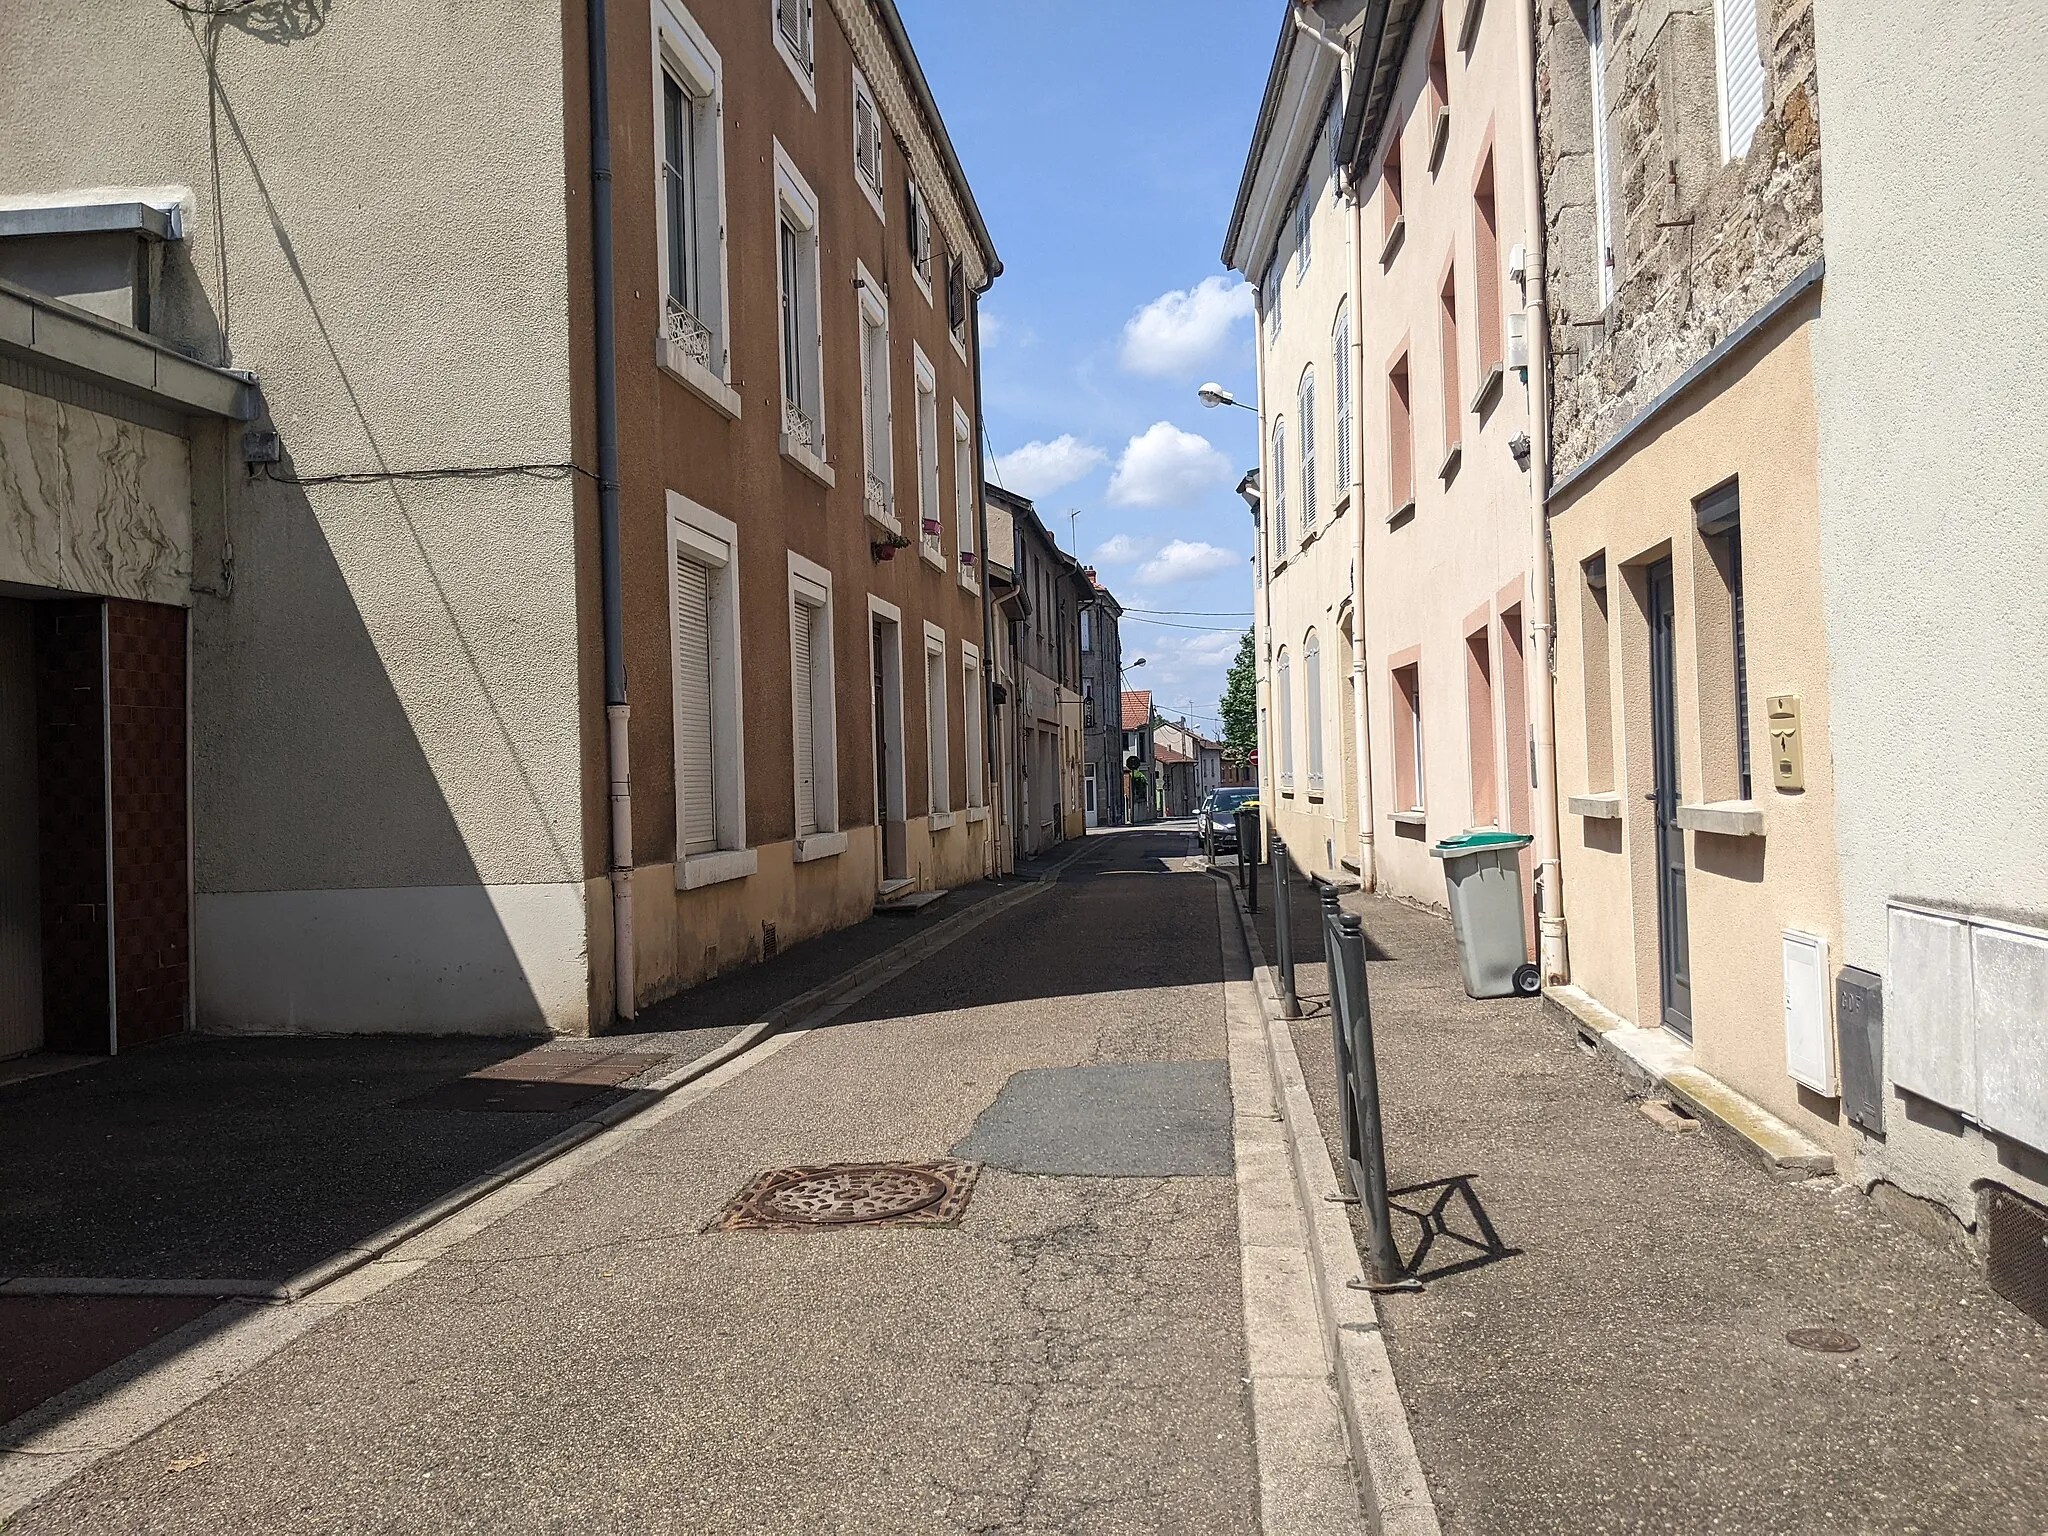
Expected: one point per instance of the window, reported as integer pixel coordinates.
(1391, 221)
(1400, 438)
(876, 444)
(1304, 221)
(1439, 97)
(1719, 514)
(1479, 728)
(931, 528)
(1283, 716)
(1087, 629)
(1088, 790)
(793, 41)
(811, 699)
(1447, 347)
(918, 227)
(956, 301)
(1277, 512)
(1340, 373)
(1594, 643)
(1408, 737)
(971, 703)
(709, 742)
(1312, 707)
(935, 721)
(690, 231)
(1486, 274)
(1333, 139)
(803, 412)
(964, 519)
(1269, 295)
(1603, 209)
(1305, 404)
(1745, 86)
(867, 144)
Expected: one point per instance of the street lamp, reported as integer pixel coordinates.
(1213, 395)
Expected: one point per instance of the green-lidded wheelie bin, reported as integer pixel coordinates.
(1483, 878)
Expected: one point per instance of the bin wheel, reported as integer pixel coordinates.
(1528, 981)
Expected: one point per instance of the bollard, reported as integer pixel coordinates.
(1248, 856)
(1341, 1006)
(1283, 927)
(1384, 1267)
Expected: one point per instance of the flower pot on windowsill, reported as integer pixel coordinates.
(931, 528)
(885, 549)
(967, 558)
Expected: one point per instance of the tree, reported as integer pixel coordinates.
(1240, 706)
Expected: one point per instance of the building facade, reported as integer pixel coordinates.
(1040, 598)
(1140, 760)
(1102, 663)
(423, 796)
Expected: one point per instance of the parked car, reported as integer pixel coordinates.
(1218, 815)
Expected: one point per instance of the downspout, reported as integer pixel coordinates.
(1262, 619)
(1550, 923)
(1361, 713)
(992, 823)
(616, 710)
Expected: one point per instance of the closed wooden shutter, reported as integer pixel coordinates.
(803, 622)
(1743, 82)
(1308, 451)
(1340, 365)
(696, 780)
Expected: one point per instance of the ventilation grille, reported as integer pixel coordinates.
(2017, 1268)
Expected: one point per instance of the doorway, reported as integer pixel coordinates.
(886, 648)
(21, 914)
(1673, 943)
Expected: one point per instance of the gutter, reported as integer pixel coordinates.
(51, 334)
(604, 321)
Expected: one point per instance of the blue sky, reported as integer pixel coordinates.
(1104, 149)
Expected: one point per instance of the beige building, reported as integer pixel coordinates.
(689, 403)
(1039, 592)
(1695, 747)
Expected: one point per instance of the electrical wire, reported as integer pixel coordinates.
(1195, 613)
(199, 8)
(470, 472)
(1207, 629)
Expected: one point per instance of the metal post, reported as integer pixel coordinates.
(1342, 1005)
(1384, 1259)
(1248, 856)
(1283, 928)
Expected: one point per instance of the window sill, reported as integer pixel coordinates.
(969, 583)
(976, 813)
(1391, 247)
(932, 556)
(805, 78)
(1726, 818)
(1415, 818)
(1601, 807)
(1452, 458)
(1308, 537)
(1279, 565)
(686, 370)
(872, 193)
(959, 343)
(716, 868)
(886, 519)
(940, 820)
(1489, 390)
(1401, 514)
(1439, 138)
(918, 279)
(1343, 506)
(808, 462)
(819, 845)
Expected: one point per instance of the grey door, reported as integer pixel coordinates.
(1673, 946)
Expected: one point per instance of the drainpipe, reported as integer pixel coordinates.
(1550, 924)
(990, 751)
(1262, 617)
(616, 710)
(1361, 714)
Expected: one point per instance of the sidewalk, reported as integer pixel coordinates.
(1616, 1358)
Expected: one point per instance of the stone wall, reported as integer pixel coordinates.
(1699, 245)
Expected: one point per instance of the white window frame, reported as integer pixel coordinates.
(1603, 202)
(878, 425)
(973, 699)
(1283, 724)
(1312, 707)
(713, 541)
(1277, 512)
(873, 188)
(683, 52)
(797, 205)
(1305, 430)
(1733, 71)
(966, 509)
(802, 59)
(810, 584)
(937, 743)
(1304, 212)
(1269, 296)
(931, 545)
(918, 218)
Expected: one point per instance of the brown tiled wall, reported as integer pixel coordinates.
(146, 736)
(72, 824)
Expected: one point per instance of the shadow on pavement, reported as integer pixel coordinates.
(1436, 1209)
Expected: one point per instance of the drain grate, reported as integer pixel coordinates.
(2016, 1263)
(931, 1194)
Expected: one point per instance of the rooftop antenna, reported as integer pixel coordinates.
(1073, 529)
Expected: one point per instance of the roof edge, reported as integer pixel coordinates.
(899, 38)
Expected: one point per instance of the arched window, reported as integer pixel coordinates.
(1312, 708)
(1277, 512)
(1283, 719)
(1307, 428)
(1340, 375)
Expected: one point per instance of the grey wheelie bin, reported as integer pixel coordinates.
(1483, 878)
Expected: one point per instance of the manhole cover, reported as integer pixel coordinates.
(1826, 1341)
(853, 1194)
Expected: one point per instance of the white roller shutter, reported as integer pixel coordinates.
(1744, 84)
(696, 786)
(803, 623)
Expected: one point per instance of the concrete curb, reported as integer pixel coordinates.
(1375, 1421)
(304, 1284)
(1655, 1062)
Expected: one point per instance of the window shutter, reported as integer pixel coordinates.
(956, 295)
(803, 624)
(696, 784)
(1744, 85)
(864, 137)
(1279, 509)
(1308, 451)
(1340, 364)
(1312, 705)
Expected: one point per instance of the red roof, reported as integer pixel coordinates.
(1138, 709)
(1165, 754)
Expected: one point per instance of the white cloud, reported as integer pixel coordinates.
(1039, 469)
(1185, 328)
(991, 327)
(1120, 549)
(1184, 561)
(1166, 467)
